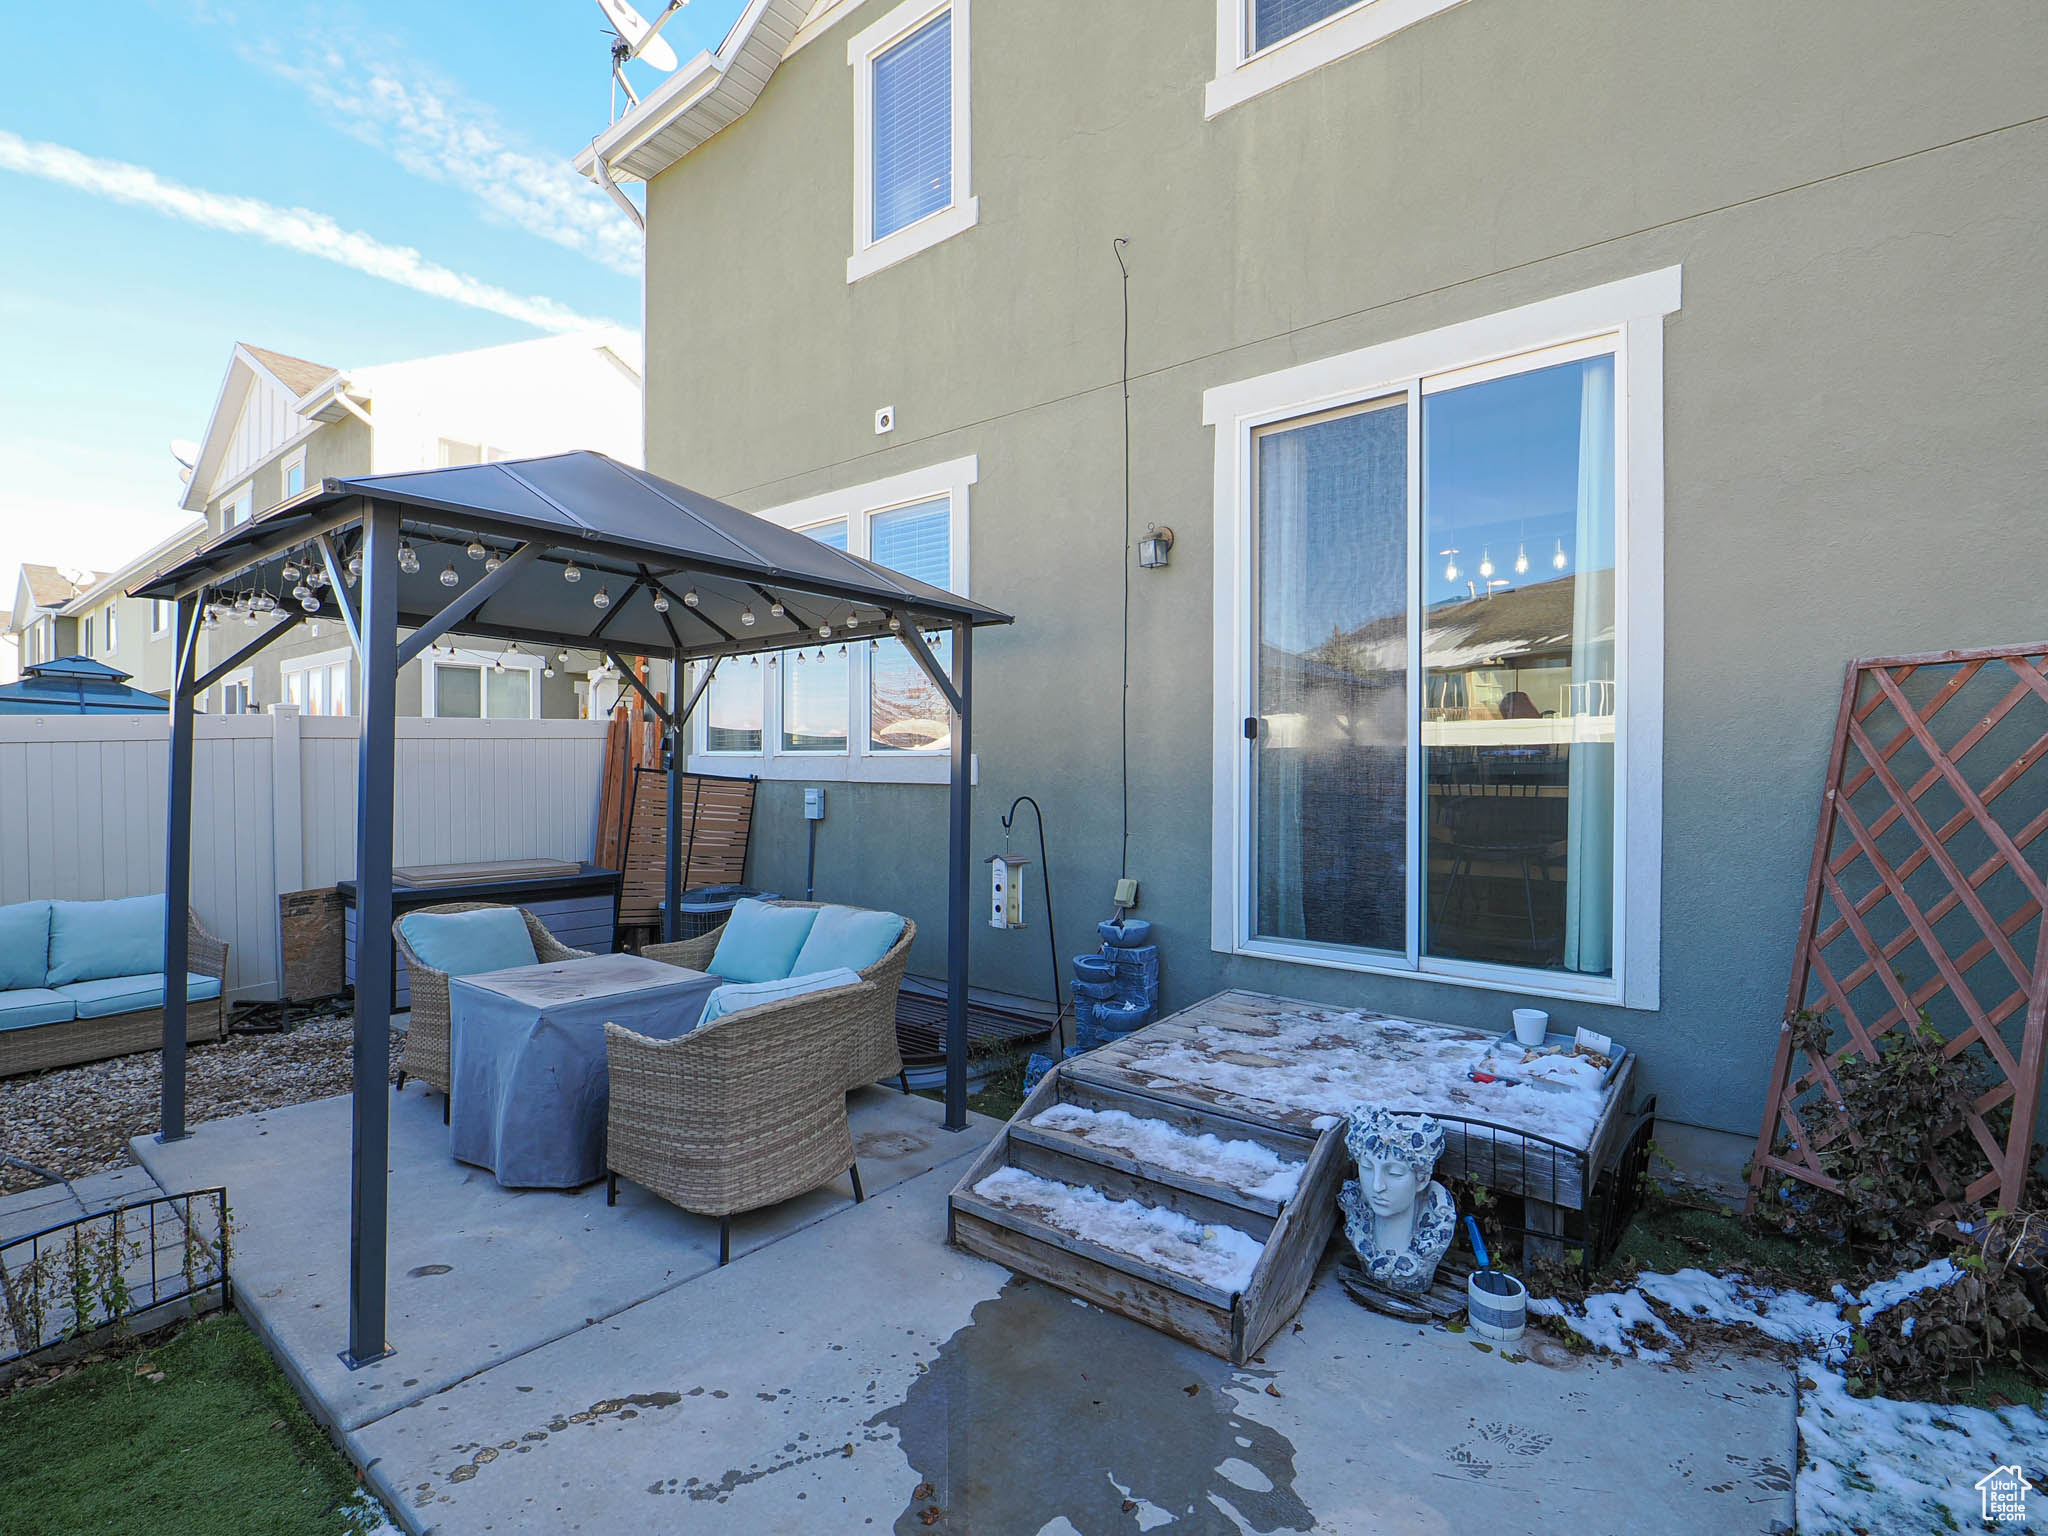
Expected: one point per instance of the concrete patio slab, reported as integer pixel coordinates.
(33, 1209)
(821, 1383)
(479, 1274)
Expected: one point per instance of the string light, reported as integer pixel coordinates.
(408, 558)
(492, 561)
(310, 603)
(475, 549)
(661, 602)
(1558, 558)
(601, 598)
(691, 599)
(570, 573)
(448, 576)
(1522, 560)
(746, 618)
(290, 571)
(776, 610)
(895, 625)
(824, 631)
(1485, 563)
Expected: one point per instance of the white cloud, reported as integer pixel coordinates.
(296, 229)
(431, 129)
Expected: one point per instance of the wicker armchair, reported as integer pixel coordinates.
(39, 1047)
(866, 1013)
(426, 1036)
(742, 1112)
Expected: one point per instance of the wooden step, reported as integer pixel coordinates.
(1234, 1323)
(1212, 1186)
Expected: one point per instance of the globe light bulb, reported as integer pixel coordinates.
(570, 573)
(776, 610)
(824, 633)
(448, 576)
(547, 671)
(601, 598)
(290, 572)
(475, 549)
(1522, 560)
(691, 599)
(852, 620)
(661, 602)
(1558, 559)
(1485, 564)
(895, 625)
(1451, 571)
(492, 561)
(310, 603)
(746, 618)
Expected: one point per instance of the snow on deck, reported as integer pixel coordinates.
(1321, 1062)
(1219, 1256)
(1244, 1166)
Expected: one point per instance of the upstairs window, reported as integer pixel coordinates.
(1261, 44)
(295, 474)
(910, 133)
(112, 630)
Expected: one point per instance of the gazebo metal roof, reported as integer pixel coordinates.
(76, 685)
(576, 550)
(631, 535)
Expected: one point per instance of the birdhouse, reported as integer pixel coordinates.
(1006, 890)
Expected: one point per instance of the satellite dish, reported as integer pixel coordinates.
(186, 453)
(637, 37)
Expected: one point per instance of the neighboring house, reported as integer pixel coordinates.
(1548, 400)
(41, 623)
(281, 425)
(132, 633)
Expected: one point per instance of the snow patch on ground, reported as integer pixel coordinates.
(1870, 1464)
(1243, 1165)
(362, 1515)
(1219, 1256)
(1324, 1062)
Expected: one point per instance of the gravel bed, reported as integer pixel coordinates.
(77, 1120)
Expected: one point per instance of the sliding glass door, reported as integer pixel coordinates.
(1435, 689)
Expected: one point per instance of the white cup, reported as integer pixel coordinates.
(1532, 1025)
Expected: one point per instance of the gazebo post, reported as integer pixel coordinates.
(369, 1152)
(959, 873)
(178, 868)
(672, 871)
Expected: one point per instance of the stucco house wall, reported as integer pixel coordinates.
(1852, 444)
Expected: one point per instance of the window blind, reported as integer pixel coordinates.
(1274, 21)
(913, 127)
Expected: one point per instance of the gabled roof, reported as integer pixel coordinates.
(294, 373)
(113, 583)
(699, 99)
(49, 587)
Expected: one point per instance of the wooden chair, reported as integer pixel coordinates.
(740, 1113)
(427, 1035)
(865, 1014)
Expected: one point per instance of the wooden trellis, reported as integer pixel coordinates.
(1924, 897)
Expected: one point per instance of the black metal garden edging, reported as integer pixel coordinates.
(73, 1278)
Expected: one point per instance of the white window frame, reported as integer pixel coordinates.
(294, 460)
(1631, 312)
(481, 660)
(869, 254)
(1242, 74)
(245, 679)
(859, 763)
(244, 497)
(316, 661)
(111, 629)
(160, 610)
(85, 628)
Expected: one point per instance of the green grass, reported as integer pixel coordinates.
(1001, 1096)
(221, 1444)
(1667, 1235)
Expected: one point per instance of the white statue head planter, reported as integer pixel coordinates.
(1399, 1222)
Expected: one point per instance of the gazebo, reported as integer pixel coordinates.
(76, 685)
(571, 550)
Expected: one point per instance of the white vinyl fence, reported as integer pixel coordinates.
(82, 809)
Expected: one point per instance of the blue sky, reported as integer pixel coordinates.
(440, 126)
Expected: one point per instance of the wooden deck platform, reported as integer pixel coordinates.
(1244, 1074)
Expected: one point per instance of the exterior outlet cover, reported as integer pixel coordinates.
(814, 804)
(885, 420)
(1126, 894)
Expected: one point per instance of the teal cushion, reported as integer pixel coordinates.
(90, 940)
(34, 1005)
(24, 945)
(847, 936)
(469, 943)
(760, 942)
(110, 995)
(734, 996)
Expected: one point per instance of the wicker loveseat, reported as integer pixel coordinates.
(865, 1015)
(426, 1035)
(83, 980)
(742, 1112)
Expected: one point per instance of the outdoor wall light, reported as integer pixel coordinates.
(570, 573)
(1155, 548)
(448, 576)
(661, 602)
